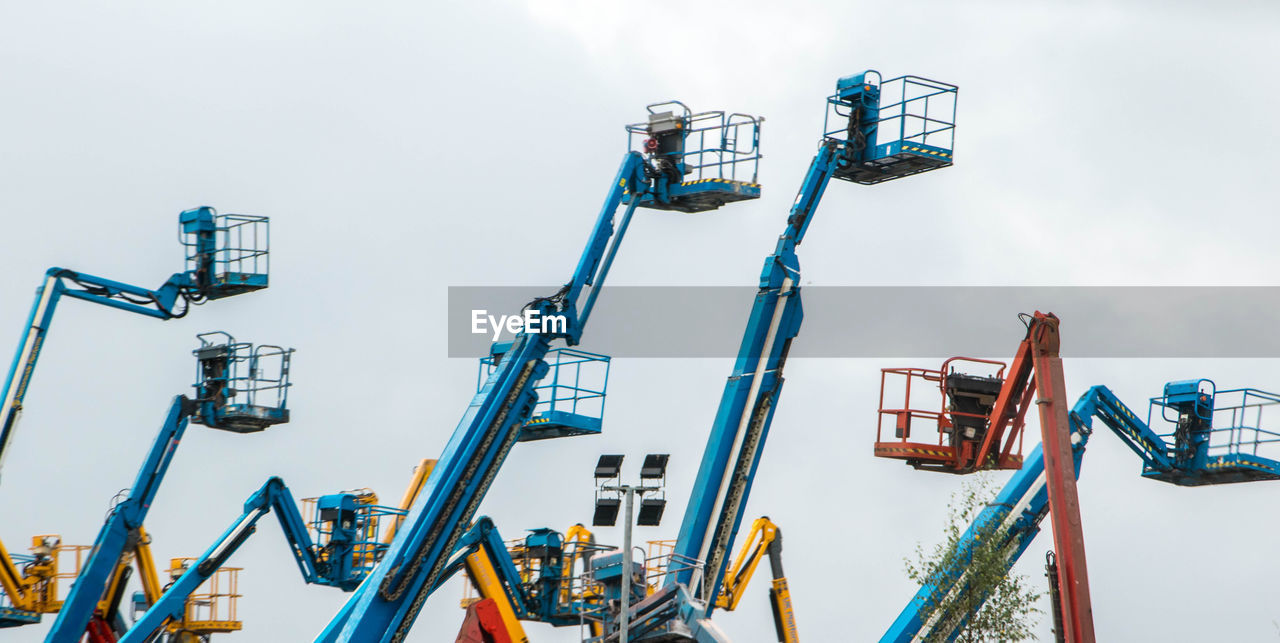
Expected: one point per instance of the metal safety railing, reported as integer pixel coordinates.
(661, 560)
(51, 567)
(942, 417)
(241, 246)
(372, 523)
(255, 375)
(579, 592)
(911, 110)
(1238, 420)
(575, 385)
(212, 606)
(67, 560)
(717, 144)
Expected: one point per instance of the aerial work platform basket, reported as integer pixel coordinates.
(956, 428)
(1214, 437)
(570, 396)
(888, 129)
(352, 532)
(241, 387)
(47, 572)
(211, 609)
(227, 253)
(708, 159)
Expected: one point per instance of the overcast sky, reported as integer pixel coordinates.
(402, 148)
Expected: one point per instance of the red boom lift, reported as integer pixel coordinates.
(979, 424)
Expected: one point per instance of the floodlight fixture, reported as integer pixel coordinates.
(609, 466)
(606, 514)
(655, 466)
(651, 512)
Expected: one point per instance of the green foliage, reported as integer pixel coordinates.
(1001, 606)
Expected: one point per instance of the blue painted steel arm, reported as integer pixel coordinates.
(157, 303)
(89, 586)
(272, 496)
(603, 245)
(484, 535)
(198, 225)
(384, 607)
(1135, 433)
(737, 438)
(275, 496)
(1018, 510)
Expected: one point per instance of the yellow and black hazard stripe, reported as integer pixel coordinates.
(922, 150)
(1222, 463)
(915, 451)
(726, 181)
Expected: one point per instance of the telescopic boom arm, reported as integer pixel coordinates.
(866, 145)
(1015, 515)
(226, 255)
(385, 606)
(273, 496)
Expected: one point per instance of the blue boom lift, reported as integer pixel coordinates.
(346, 545)
(872, 143)
(537, 579)
(240, 388)
(347, 535)
(875, 131)
(1191, 453)
(867, 139)
(686, 162)
(226, 255)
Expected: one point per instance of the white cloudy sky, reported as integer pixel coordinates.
(401, 148)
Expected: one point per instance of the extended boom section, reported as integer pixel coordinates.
(385, 606)
(1200, 454)
(765, 540)
(875, 131)
(216, 407)
(937, 612)
(225, 255)
(981, 424)
(31, 583)
(338, 549)
(1194, 451)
